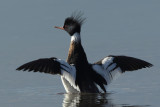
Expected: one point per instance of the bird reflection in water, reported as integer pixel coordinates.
(92, 100)
(83, 100)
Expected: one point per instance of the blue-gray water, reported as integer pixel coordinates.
(116, 27)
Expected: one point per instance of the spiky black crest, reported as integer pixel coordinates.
(77, 17)
(73, 23)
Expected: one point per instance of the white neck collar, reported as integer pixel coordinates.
(76, 37)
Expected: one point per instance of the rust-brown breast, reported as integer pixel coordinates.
(71, 51)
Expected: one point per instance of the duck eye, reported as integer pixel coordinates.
(65, 26)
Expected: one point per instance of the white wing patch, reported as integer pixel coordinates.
(107, 61)
(108, 70)
(68, 76)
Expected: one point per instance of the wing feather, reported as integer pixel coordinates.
(130, 63)
(126, 63)
(111, 66)
(45, 65)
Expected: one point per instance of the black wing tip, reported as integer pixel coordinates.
(43, 65)
(149, 65)
(140, 66)
(19, 68)
(128, 63)
(145, 64)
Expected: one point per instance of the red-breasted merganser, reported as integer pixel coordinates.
(77, 74)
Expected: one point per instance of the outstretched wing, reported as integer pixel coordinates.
(47, 65)
(53, 66)
(111, 66)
